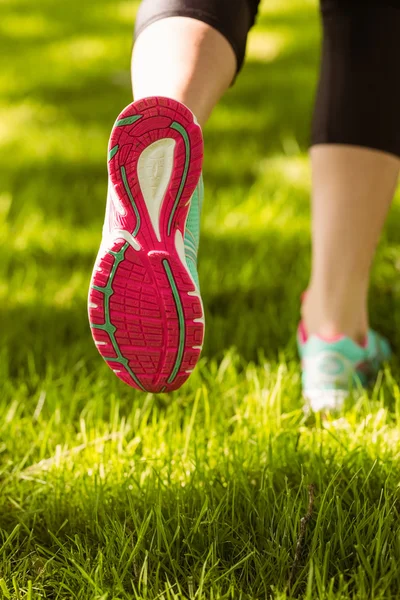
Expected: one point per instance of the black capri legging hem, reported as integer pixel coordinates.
(358, 95)
(200, 16)
(232, 18)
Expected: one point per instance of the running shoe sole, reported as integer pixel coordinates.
(145, 311)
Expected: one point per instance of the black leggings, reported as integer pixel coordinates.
(358, 95)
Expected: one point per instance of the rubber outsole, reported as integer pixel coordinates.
(145, 310)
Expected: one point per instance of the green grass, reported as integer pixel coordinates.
(109, 493)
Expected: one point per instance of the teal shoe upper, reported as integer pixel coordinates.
(335, 366)
(378, 350)
(192, 230)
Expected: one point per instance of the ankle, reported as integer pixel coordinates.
(330, 320)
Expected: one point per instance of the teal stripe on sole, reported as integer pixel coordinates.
(185, 136)
(128, 191)
(113, 152)
(128, 120)
(181, 320)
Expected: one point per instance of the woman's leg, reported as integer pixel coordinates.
(184, 59)
(352, 191)
(190, 50)
(355, 160)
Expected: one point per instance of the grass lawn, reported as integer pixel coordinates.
(108, 493)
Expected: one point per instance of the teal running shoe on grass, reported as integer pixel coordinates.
(330, 368)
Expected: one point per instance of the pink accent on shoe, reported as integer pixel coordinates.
(303, 335)
(330, 339)
(150, 292)
(364, 367)
(364, 344)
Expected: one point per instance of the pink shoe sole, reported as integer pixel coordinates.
(145, 311)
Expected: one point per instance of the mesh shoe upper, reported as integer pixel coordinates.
(192, 231)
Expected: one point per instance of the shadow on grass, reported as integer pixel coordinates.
(250, 314)
(253, 314)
